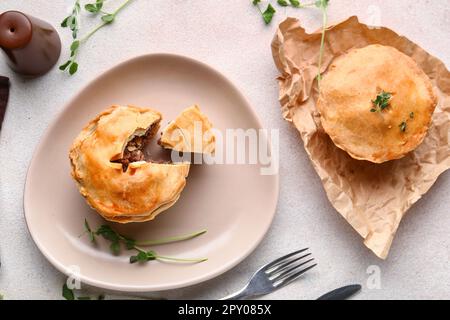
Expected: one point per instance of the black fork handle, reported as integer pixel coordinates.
(341, 293)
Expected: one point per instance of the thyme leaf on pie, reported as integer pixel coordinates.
(381, 102)
(402, 126)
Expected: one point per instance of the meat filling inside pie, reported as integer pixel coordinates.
(134, 150)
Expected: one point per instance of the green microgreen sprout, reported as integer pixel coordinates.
(73, 20)
(107, 18)
(269, 13)
(95, 7)
(69, 294)
(322, 5)
(143, 255)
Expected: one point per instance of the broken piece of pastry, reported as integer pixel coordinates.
(190, 132)
(109, 166)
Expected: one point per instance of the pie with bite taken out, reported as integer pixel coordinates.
(108, 164)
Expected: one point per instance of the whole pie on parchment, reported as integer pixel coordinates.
(376, 103)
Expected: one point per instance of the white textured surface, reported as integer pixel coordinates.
(230, 36)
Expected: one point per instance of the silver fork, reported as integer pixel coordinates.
(275, 275)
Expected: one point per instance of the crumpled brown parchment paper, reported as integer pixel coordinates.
(372, 197)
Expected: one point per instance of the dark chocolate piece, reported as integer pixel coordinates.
(4, 94)
(31, 46)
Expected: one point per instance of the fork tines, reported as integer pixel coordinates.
(289, 267)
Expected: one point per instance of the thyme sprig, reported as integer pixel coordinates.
(71, 65)
(116, 240)
(294, 3)
(323, 5)
(269, 13)
(69, 294)
(73, 20)
(95, 7)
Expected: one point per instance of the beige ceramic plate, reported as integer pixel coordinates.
(234, 202)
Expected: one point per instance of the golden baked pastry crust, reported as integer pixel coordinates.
(141, 192)
(345, 103)
(181, 134)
